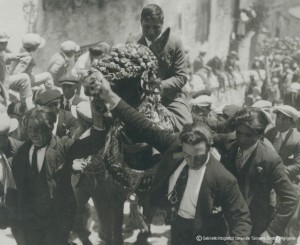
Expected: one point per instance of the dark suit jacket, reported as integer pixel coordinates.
(289, 151)
(77, 99)
(67, 124)
(171, 65)
(58, 161)
(219, 188)
(263, 172)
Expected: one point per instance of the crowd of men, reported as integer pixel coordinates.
(228, 172)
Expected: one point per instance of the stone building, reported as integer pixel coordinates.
(199, 23)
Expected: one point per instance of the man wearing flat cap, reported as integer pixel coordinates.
(65, 124)
(31, 42)
(85, 60)
(286, 139)
(60, 62)
(201, 107)
(69, 98)
(19, 82)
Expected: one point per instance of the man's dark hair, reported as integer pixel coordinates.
(254, 118)
(196, 133)
(152, 11)
(43, 118)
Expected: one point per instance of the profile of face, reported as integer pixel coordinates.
(39, 136)
(283, 122)
(151, 28)
(68, 90)
(245, 136)
(3, 46)
(195, 155)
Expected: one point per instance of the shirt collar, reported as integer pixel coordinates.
(150, 42)
(283, 134)
(250, 149)
(70, 100)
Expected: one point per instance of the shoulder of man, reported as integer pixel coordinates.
(295, 135)
(270, 132)
(222, 176)
(265, 155)
(15, 144)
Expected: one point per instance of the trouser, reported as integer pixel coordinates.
(97, 188)
(21, 83)
(181, 112)
(119, 196)
(182, 231)
(44, 230)
(44, 78)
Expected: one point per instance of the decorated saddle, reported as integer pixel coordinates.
(131, 70)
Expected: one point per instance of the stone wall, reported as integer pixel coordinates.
(199, 23)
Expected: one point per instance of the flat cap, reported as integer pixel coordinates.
(101, 47)
(82, 110)
(69, 46)
(231, 110)
(3, 37)
(69, 79)
(295, 87)
(47, 96)
(257, 89)
(202, 100)
(32, 40)
(262, 104)
(7, 124)
(287, 110)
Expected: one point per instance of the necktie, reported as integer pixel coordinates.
(67, 106)
(239, 160)
(179, 188)
(278, 142)
(34, 164)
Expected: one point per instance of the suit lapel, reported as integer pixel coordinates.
(285, 140)
(75, 100)
(206, 196)
(142, 41)
(245, 174)
(62, 102)
(166, 168)
(61, 119)
(158, 45)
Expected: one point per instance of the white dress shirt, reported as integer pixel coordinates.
(40, 156)
(283, 134)
(70, 101)
(187, 208)
(54, 131)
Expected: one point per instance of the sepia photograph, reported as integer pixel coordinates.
(150, 122)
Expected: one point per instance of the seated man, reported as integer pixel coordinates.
(194, 187)
(171, 62)
(19, 82)
(60, 62)
(31, 42)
